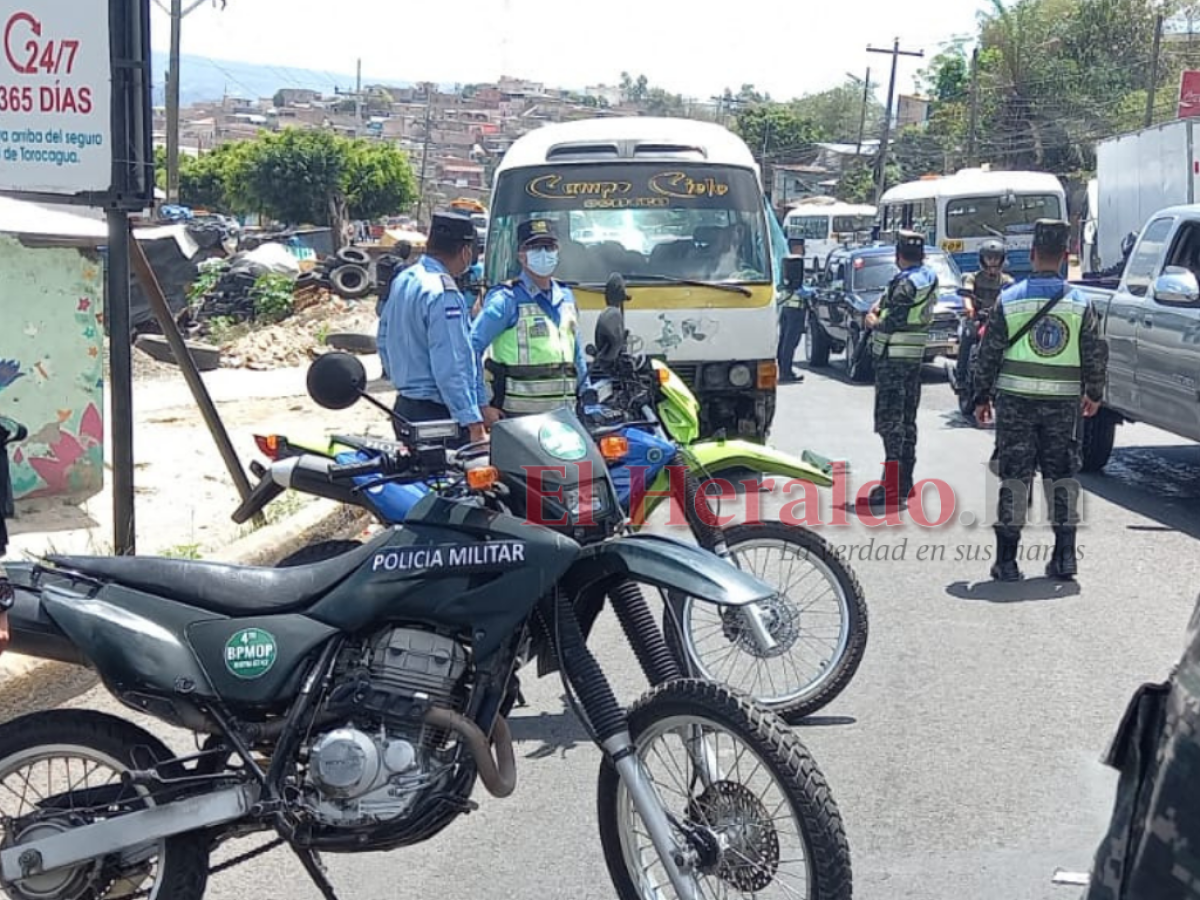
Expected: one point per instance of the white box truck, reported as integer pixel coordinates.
(1139, 174)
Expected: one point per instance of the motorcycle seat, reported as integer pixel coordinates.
(230, 590)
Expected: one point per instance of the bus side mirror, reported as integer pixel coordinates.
(793, 272)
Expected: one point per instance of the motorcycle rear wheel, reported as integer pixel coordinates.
(816, 575)
(98, 741)
(745, 845)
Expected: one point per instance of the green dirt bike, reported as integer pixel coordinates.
(794, 653)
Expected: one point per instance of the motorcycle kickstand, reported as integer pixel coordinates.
(316, 871)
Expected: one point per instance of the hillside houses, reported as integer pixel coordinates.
(454, 139)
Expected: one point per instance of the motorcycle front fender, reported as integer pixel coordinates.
(714, 457)
(668, 564)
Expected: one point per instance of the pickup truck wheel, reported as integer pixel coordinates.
(1099, 432)
(816, 344)
(859, 364)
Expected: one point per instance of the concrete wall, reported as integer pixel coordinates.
(51, 376)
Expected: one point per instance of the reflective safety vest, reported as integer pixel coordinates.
(536, 361)
(1046, 362)
(908, 341)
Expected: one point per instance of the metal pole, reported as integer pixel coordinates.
(862, 122)
(1153, 85)
(881, 160)
(974, 107)
(173, 104)
(187, 365)
(424, 152)
(120, 356)
(358, 99)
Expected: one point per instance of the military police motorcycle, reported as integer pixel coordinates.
(352, 705)
(794, 654)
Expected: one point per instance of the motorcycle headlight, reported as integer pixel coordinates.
(740, 376)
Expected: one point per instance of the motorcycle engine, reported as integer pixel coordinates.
(373, 768)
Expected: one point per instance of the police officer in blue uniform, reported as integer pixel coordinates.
(424, 334)
(528, 330)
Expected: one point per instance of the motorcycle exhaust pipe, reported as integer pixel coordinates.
(123, 833)
(498, 775)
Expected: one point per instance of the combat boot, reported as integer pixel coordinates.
(889, 494)
(906, 479)
(1005, 567)
(1063, 565)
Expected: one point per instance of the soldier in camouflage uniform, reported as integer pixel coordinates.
(900, 329)
(1052, 367)
(980, 292)
(1152, 848)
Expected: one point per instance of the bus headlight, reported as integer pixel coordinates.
(740, 376)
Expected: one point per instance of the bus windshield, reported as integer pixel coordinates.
(972, 217)
(693, 222)
(808, 228)
(853, 224)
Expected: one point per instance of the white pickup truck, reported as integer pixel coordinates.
(1151, 321)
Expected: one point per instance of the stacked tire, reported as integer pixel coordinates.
(347, 274)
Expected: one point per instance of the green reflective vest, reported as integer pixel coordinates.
(537, 361)
(908, 341)
(1045, 363)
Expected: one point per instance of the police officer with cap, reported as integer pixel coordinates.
(529, 330)
(899, 322)
(424, 334)
(792, 313)
(1044, 362)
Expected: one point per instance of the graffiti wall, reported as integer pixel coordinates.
(51, 377)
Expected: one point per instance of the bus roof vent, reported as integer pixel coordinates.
(670, 151)
(583, 151)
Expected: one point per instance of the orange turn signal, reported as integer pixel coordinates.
(268, 445)
(768, 375)
(482, 478)
(614, 447)
(664, 375)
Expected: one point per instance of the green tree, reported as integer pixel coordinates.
(775, 131)
(378, 180)
(298, 176)
(277, 100)
(837, 113)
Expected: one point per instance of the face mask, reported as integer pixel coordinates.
(542, 262)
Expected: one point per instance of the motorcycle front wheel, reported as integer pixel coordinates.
(818, 621)
(749, 809)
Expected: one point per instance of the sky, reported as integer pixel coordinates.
(785, 47)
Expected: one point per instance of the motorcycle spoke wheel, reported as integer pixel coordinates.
(61, 770)
(819, 622)
(762, 825)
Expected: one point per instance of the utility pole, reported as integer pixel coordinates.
(862, 122)
(881, 160)
(177, 14)
(1150, 88)
(974, 107)
(358, 99)
(424, 151)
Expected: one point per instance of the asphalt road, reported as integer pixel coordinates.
(964, 756)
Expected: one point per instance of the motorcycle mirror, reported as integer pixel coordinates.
(615, 294)
(610, 335)
(793, 272)
(336, 380)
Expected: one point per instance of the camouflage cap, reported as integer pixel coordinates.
(1051, 235)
